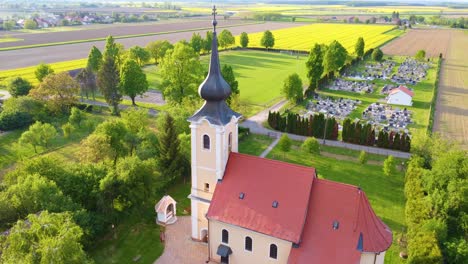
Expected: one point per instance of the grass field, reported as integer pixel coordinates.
(8, 39)
(28, 72)
(385, 193)
(304, 37)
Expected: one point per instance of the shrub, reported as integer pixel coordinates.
(389, 166)
(363, 157)
(377, 54)
(423, 249)
(311, 145)
(10, 120)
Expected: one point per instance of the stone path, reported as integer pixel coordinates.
(270, 148)
(179, 247)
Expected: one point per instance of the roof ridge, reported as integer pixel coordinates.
(274, 161)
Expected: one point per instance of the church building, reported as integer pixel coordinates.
(256, 210)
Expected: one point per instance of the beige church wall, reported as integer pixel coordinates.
(260, 245)
(206, 158)
(202, 221)
(372, 258)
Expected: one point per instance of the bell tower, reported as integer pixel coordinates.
(213, 135)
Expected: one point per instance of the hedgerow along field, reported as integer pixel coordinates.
(304, 37)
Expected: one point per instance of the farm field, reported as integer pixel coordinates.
(385, 193)
(303, 38)
(433, 41)
(30, 57)
(451, 116)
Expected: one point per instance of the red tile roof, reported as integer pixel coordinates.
(263, 181)
(348, 205)
(403, 89)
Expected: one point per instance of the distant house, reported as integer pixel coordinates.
(400, 96)
(351, 19)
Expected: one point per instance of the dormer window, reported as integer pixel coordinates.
(206, 142)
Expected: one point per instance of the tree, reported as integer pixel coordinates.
(30, 24)
(108, 83)
(226, 39)
(139, 54)
(230, 78)
(67, 130)
(311, 145)
(116, 131)
(87, 81)
(315, 66)
(94, 59)
(42, 71)
(359, 47)
(196, 42)
(132, 80)
(420, 55)
(18, 86)
(377, 54)
(96, 148)
(111, 50)
(208, 41)
(292, 88)
(76, 117)
(58, 92)
(363, 157)
(38, 134)
(284, 144)
(268, 40)
(158, 49)
(181, 73)
(335, 57)
(45, 238)
(389, 166)
(9, 24)
(169, 158)
(244, 40)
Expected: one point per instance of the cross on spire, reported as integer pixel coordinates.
(214, 13)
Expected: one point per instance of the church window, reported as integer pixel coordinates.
(248, 243)
(225, 236)
(206, 142)
(207, 187)
(230, 141)
(273, 251)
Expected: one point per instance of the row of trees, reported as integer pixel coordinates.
(317, 125)
(436, 185)
(365, 134)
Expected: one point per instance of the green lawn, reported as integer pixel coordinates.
(260, 74)
(254, 144)
(385, 193)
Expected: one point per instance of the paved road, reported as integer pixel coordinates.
(13, 59)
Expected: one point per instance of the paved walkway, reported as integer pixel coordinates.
(270, 148)
(179, 247)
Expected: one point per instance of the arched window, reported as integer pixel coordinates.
(230, 141)
(248, 243)
(206, 142)
(273, 251)
(225, 236)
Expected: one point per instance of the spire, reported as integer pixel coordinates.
(214, 88)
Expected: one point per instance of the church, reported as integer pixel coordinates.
(256, 210)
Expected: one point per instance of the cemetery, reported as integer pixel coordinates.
(338, 108)
(352, 86)
(381, 70)
(388, 117)
(410, 71)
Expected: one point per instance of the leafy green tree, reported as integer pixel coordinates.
(359, 47)
(38, 134)
(169, 158)
(108, 80)
(377, 54)
(284, 144)
(96, 148)
(244, 40)
(230, 78)
(292, 88)
(226, 39)
(9, 25)
(196, 42)
(158, 49)
(42, 71)
(420, 55)
(30, 24)
(116, 131)
(207, 42)
(18, 86)
(94, 59)
(111, 49)
(181, 73)
(132, 80)
(76, 117)
(363, 157)
(315, 66)
(67, 130)
(139, 54)
(268, 40)
(87, 81)
(335, 57)
(311, 145)
(389, 166)
(58, 92)
(45, 238)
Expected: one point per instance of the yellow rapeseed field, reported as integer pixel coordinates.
(304, 37)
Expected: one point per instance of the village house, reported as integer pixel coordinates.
(400, 96)
(255, 210)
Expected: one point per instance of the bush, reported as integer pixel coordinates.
(389, 166)
(420, 55)
(10, 120)
(377, 54)
(311, 145)
(423, 249)
(363, 157)
(18, 86)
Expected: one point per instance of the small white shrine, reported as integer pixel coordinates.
(166, 211)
